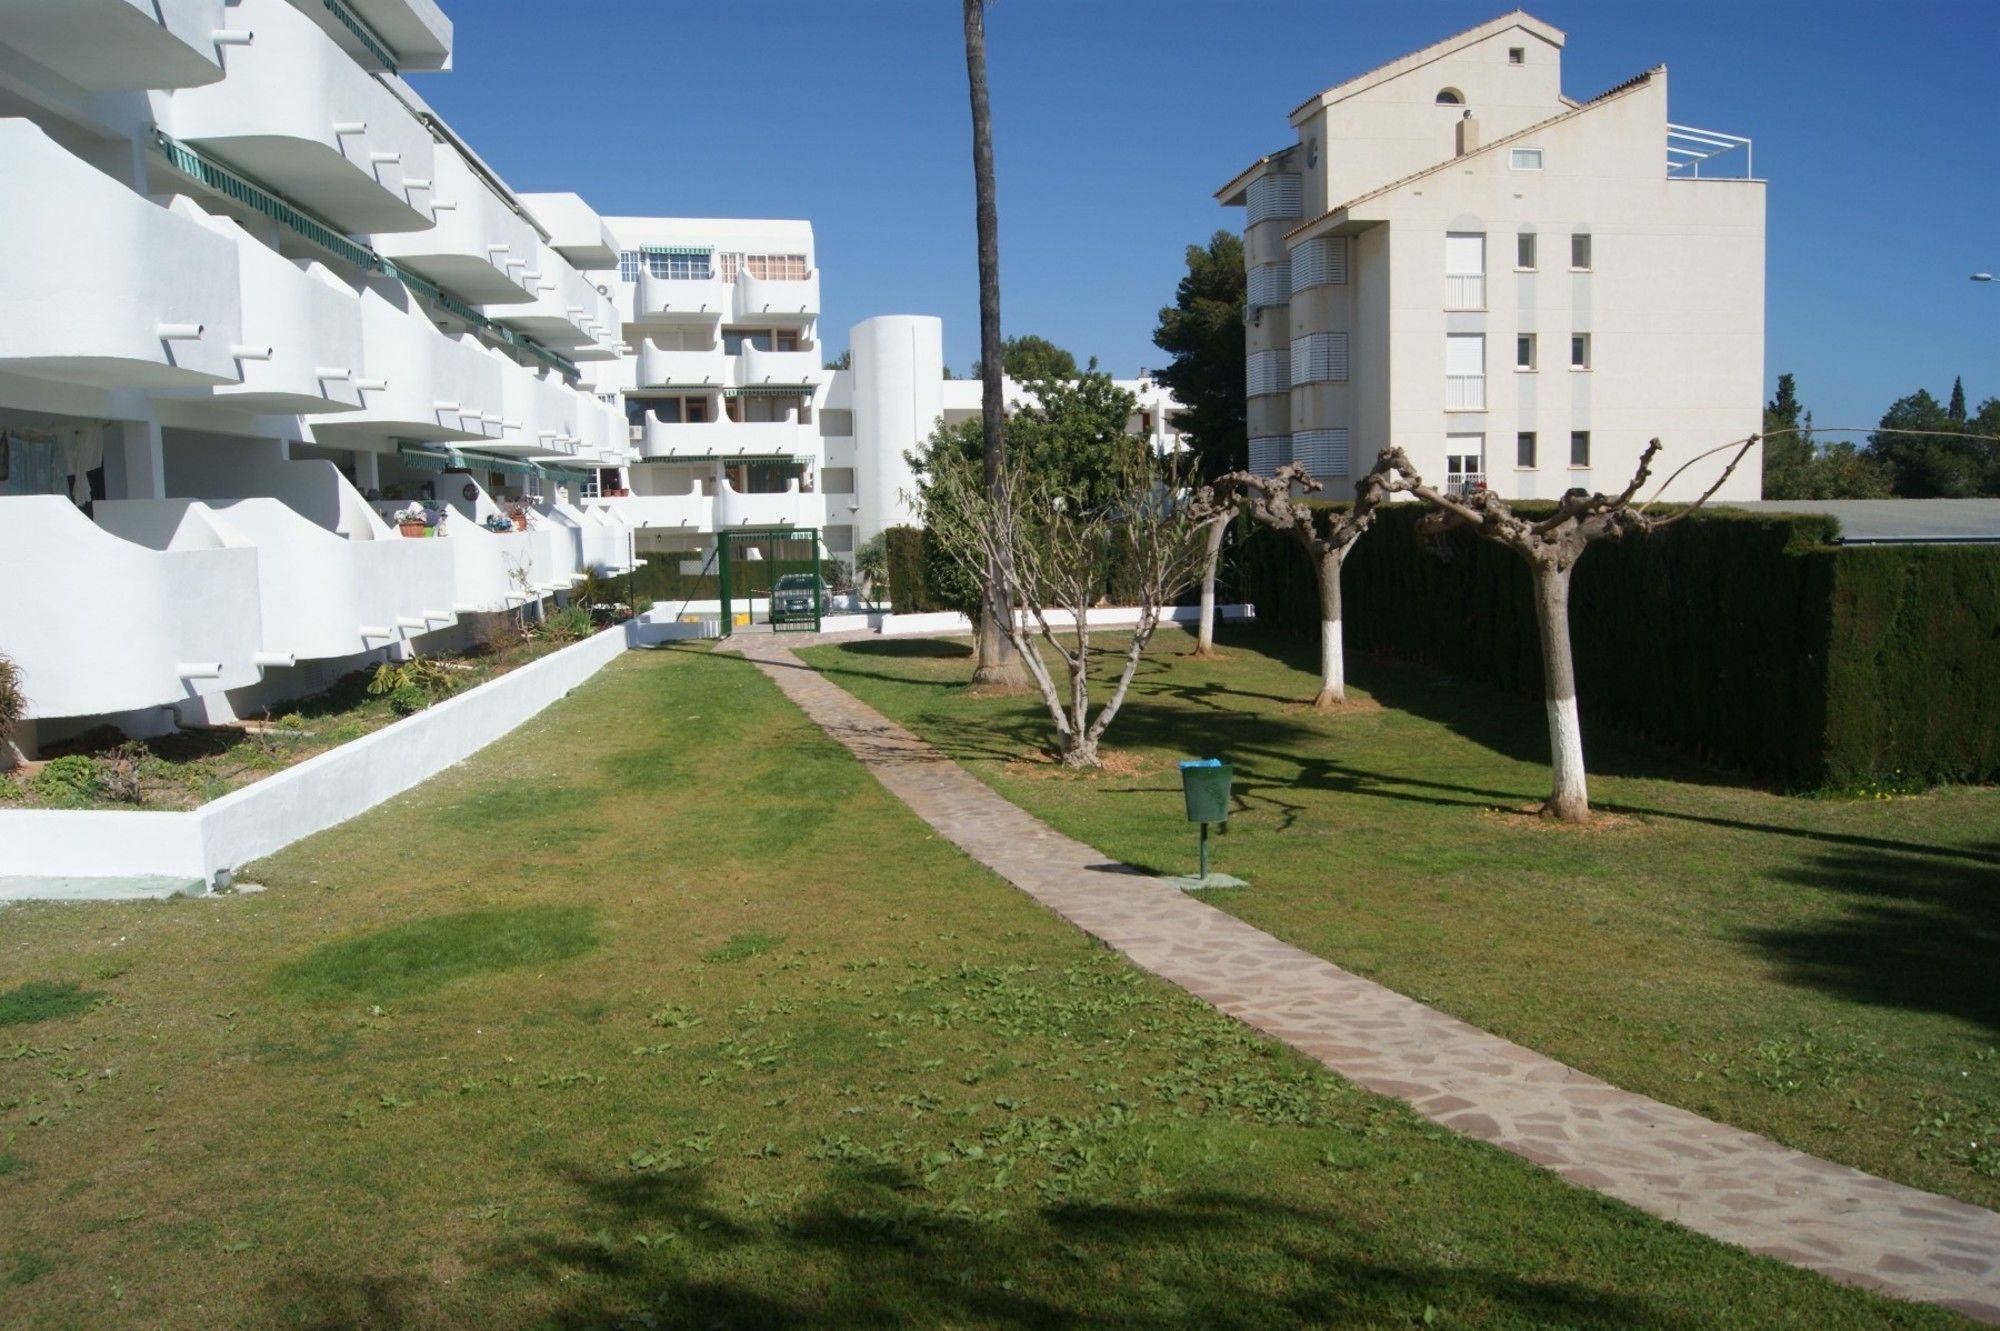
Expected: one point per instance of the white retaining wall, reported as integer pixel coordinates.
(1110, 616)
(271, 814)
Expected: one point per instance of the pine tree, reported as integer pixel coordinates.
(1956, 411)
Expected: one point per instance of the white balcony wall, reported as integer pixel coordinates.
(438, 387)
(603, 431)
(575, 229)
(764, 298)
(789, 508)
(607, 542)
(477, 248)
(692, 511)
(495, 570)
(301, 348)
(662, 367)
(776, 367)
(300, 116)
(114, 45)
(564, 310)
(100, 286)
(106, 625)
(558, 551)
(680, 300)
(726, 438)
(416, 31)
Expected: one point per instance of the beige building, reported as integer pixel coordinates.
(1518, 288)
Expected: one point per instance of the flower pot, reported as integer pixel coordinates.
(520, 522)
(414, 529)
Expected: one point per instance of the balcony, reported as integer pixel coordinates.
(1465, 291)
(434, 387)
(564, 309)
(575, 229)
(693, 511)
(680, 300)
(118, 45)
(412, 34)
(760, 299)
(661, 367)
(1465, 392)
(664, 441)
(301, 349)
(1464, 483)
(101, 286)
(174, 635)
(788, 508)
(478, 248)
(298, 115)
(755, 367)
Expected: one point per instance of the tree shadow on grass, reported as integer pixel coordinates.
(866, 1250)
(935, 649)
(1916, 934)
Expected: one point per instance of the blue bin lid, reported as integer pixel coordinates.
(1201, 762)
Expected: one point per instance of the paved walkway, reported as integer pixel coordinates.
(1721, 1181)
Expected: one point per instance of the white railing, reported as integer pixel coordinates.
(1688, 148)
(1465, 392)
(1464, 482)
(1465, 291)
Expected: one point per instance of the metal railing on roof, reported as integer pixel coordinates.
(304, 225)
(1688, 148)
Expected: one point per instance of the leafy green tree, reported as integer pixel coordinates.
(1915, 442)
(1203, 332)
(1798, 467)
(1072, 431)
(844, 361)
(1028, 357)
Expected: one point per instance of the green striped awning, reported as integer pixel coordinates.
(506, 466)
(703, 250)
(770, 390)
(428, 457)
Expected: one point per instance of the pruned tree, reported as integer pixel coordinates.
(1551, 547)
(1223, 508)
(1054, 556)
(1326, 535)
(997, 667)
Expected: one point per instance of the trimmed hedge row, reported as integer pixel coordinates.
(1747, 640)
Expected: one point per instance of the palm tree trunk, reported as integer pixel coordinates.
(998, 663)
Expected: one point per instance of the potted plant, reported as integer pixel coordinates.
(414, 521)
(496, 522)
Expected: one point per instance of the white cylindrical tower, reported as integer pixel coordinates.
(898, 399)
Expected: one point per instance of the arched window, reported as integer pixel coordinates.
(1450, 97)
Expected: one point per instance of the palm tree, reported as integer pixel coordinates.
(999, 665)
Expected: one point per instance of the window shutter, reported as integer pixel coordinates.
(1268, 372)
(1269, 452)
(1273, 196)
(1321, 452)
(1319, 358)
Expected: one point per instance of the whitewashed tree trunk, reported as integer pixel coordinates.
(1570, 800)
(1332, 656)
(1205, 640)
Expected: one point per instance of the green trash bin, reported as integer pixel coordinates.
(1205, 785)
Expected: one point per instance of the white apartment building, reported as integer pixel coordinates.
(257, 298)
(1518, 288)
(735, 423)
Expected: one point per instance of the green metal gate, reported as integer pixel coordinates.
(780, 564)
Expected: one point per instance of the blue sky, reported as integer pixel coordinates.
(1115, 120)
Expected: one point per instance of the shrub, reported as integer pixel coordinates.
(13, 703)
(429, 679)
(408, 700)
(571, 623)
(69, 781)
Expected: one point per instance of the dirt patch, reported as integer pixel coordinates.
(1530, 816)
(1115, 763)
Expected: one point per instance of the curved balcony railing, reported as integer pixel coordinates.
(113, 45)
(754, 366)
(693, 511)
(101, 286)
(663, 367)
(433, 387)
(763, 297)
(298, 114)
(787, 508)
(477, 248)
(725, 438)
(181, 630)
(673, 299)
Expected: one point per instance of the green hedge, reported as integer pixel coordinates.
(1746, 640)
(909, 587)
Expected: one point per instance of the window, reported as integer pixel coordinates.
(1579, 351)
(1524, 449)
(767, 267)
(1321, 261)
(1579, 251)
(1319, 357)
(836, 422)
(1524, 251)
(1579, 448)
(1524, 351)
(837, 480)
(1525, 159)
(628, 265)
(1465, 372)
(691, 264)
(735, 339)
(1517, 55)
(1450, 97)
(1465, 270)
(1464, 463)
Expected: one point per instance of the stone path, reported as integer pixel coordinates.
(1721, 1181)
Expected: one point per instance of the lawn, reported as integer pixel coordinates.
(660, 1012)
(1816, 969)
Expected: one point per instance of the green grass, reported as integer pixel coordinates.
(42, 1000)
(1818, 970)
(900, 1093)
(430, 953)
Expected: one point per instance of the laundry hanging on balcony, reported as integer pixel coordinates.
(51, 461)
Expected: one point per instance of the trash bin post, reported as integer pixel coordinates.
(1205, 788)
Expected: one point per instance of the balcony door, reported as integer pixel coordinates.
(1464, 463)
(1465, 372)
